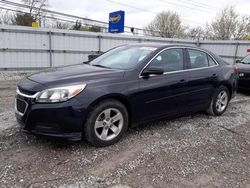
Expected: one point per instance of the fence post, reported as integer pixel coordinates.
(198, 42)
(50, 49)
(99, 43)
(236, 52)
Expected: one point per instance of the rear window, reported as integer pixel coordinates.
(200, 59)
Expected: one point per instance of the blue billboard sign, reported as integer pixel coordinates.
(116, 22)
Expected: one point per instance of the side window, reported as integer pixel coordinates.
(211, 62)
(170, 60)
(198, 59)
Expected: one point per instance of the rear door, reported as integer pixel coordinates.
(164, 95)
(203, 78)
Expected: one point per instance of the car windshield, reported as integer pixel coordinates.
(125, 57)
(246, 60)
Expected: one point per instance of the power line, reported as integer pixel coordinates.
(204, 9)
(202, 4)
(123, 4)
(64, 15)
(51, 12)
(87, 19)
(55, 18)
(127, 5)
(50, 17)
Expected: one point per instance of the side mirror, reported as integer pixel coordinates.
(85, 62)
(238, 61)
(93, 56)
(152, 71)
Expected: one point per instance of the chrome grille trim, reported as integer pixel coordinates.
(27, 96)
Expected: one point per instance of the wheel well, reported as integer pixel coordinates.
(119, 98)
(229, 87)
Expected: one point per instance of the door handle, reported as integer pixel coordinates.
(182, 81)
(214, 75)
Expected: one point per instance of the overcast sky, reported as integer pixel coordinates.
(192, 12)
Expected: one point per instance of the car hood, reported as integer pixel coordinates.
(244, 67)
(74, 73)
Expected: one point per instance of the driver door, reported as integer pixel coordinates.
(164, 95)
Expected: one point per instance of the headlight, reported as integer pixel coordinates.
(59, 94)
(241, 74)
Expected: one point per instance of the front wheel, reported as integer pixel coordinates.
(106, 123)
(219, 102)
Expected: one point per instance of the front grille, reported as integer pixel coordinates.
(21, 106)
(246, 75)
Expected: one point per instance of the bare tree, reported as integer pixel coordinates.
(35, 7)
(196, 33)
(166, 24)
(61, 25)
(86, 27)
(5, 17)
(77, 26)
(243, 28)
(36, 13)
(228, 24)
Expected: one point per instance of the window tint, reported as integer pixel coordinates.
(198, 59)
(170, 60)
(246, 59)
(124, 57)
(211, 62)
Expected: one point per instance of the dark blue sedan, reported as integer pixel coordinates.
(124, 87)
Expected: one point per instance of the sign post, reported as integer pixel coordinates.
(116, 22)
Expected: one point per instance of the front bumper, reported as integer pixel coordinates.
(63, 120)
(244, 83)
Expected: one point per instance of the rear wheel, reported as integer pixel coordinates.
(106, 123)
(219, 102)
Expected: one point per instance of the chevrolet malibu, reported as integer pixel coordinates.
(126, 86)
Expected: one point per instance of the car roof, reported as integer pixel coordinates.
(160, 46)
(163, 45)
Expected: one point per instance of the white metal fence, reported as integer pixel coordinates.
(32, 48)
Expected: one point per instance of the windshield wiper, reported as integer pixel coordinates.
(102, 66)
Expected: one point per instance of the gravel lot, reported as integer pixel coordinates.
(193, 151)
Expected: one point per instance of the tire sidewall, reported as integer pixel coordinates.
(220, 89)
(90, 133)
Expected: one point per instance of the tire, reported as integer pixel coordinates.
(219, 102)
(106, 123)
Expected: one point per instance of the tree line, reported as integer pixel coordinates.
(36, 14)
(228, 24)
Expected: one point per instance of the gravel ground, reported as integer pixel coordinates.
(192, 151)
(13, 75)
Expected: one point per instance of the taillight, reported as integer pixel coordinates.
(236, 70)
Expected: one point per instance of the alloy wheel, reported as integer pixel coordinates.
(109, 124)
(222, 101)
